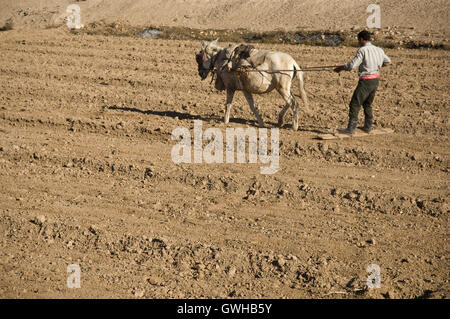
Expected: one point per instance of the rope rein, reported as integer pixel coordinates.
(342, 89)
(306, 69)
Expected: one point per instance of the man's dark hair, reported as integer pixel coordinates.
(365, 35)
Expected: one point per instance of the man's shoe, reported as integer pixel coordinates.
(350, 128)
(367, 125)
(347, 131)
(366, 129)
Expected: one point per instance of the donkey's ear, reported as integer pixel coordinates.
(215, 41)
(204, 44)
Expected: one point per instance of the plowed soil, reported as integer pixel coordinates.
(86, 178)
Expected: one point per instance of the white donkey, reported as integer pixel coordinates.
(252, 71)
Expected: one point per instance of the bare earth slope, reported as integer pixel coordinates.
(256, 15)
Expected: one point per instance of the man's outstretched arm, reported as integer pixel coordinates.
(386, 60)
(357, 60)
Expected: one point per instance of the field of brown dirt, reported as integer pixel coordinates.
(86, 177)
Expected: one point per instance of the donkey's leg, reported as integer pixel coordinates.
(301, 81)
(290, 102)
(282, 113)
(251, 102)
(230, 95)
(295, 113)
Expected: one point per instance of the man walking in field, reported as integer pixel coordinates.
(370, 59)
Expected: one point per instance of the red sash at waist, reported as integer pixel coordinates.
(369, 76)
